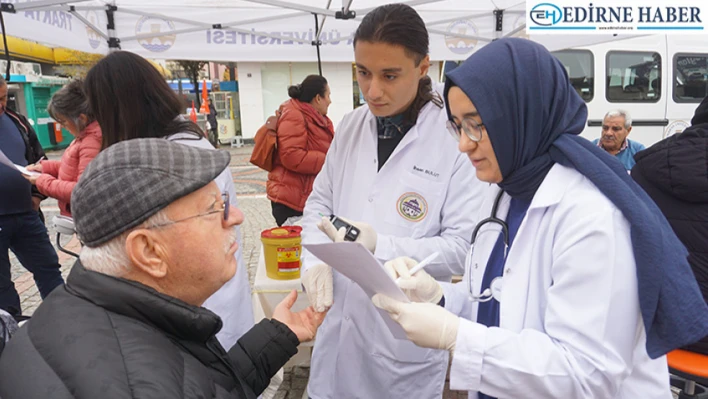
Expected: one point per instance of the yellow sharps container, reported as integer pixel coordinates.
(282, 249)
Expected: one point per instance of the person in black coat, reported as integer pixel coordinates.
(674, 172)
(158, 241)
(22, 229)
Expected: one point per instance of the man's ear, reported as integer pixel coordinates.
(424, 66)
(147, 252)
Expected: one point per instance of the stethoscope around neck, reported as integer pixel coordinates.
(494, 289)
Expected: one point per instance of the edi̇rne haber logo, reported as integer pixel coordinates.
(604, 17)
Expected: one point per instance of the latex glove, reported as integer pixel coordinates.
(318, 284)
(303, 324)
(426, 325)
(420, 287)
(367, 234)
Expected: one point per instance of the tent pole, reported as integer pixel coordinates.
(113, 40)
(44, 5)
(86, 22)
(317, 42)
(324, 18)
(345, 9)
(517, 29)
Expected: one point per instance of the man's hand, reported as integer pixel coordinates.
(303, 324)
(318, 284)
(425, 324)
(367, 236)
(35, 202)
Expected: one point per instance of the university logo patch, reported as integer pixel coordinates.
(412, 206)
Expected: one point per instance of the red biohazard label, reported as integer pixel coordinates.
(289, 259)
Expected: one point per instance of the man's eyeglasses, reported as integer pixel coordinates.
(472, 129)
(224, 209)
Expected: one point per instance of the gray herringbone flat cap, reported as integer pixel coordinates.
(132, 180)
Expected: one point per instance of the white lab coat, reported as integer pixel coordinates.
(355, 356)
(570, 324)
(232, 302)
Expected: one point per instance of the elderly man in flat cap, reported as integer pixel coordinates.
(158, 241)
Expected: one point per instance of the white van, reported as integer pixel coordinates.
(659, 79)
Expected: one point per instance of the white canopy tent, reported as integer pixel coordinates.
(260, 30)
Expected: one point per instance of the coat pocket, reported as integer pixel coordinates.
(415, 202)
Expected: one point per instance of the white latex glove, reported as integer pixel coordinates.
(425, 324)
(317, 281)
(420, 287)
(367, 234)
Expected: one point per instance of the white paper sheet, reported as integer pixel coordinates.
(24, 171)
(7, 162)
(359, 265)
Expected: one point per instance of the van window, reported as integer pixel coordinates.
(690, 77)
(633, 77)
(579, 66)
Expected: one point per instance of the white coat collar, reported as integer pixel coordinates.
(554, 186)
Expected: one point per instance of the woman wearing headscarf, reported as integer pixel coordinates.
(575, 286)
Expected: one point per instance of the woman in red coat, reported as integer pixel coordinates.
(304, 134)
(69, 108)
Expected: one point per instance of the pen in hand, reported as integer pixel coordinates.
(421, 265)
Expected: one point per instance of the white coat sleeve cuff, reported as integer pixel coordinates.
(454, 302)
(466, 367)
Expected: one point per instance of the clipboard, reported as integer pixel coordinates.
(355, 262)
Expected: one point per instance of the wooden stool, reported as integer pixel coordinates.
(693, 367)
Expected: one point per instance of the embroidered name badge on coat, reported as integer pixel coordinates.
(412, 207)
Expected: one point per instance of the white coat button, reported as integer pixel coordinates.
(371, 199)
(346, 318)
(508, 270)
